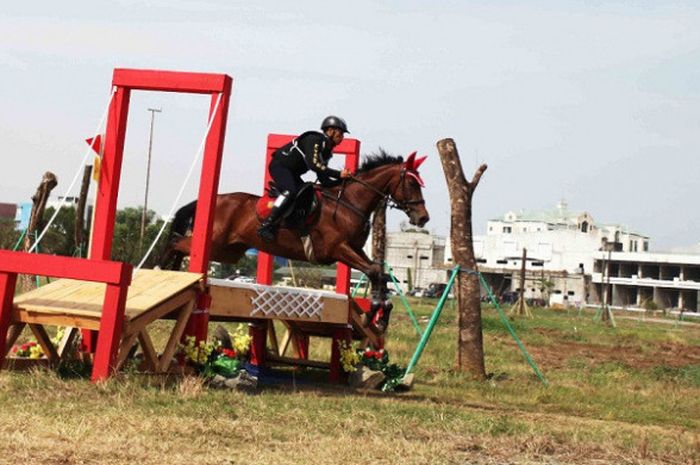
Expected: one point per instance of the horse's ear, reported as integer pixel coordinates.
(410, 162)
(419, 162)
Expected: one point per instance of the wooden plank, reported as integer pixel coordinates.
(230, 301)
(65, 319)
(22, 363)
(298, 362)
(169, 351)
(45, 342)
(75, 303)
(143, 319)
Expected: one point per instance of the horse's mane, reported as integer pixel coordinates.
(377, 159)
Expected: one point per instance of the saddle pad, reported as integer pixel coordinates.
(263, 206)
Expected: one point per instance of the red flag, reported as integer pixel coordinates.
(96, 144)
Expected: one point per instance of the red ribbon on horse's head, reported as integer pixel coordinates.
(411, 166)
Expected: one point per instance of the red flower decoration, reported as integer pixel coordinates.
(229, 353)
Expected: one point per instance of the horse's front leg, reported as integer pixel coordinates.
(381, 306)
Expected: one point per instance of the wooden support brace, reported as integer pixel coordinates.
(171, 346)
(125, 347)
(272, 335)
(45, 342)
(67, 341)
(149, 352)
(286, 340)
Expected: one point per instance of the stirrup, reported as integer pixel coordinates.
(267, 232)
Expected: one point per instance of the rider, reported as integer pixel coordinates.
(310, 151)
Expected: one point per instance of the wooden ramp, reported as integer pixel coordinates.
(153, 294)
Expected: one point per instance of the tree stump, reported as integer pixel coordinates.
(39, 200)
(470, 347)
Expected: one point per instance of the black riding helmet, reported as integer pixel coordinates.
(334, 122)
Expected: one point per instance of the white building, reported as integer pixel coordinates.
(560, 245)
(416, 255)
(647, 280)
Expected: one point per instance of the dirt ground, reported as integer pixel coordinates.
(633, 355)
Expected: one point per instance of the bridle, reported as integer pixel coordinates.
(389, 198)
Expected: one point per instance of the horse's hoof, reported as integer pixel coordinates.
(381, 327)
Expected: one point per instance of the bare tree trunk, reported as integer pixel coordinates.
(470, 346)
(520, 308)
(80, 210)
(379, 233)
(39, 199)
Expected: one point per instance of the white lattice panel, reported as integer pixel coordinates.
(279, 302)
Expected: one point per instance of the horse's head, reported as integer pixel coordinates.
(398, 181)
(407, 191)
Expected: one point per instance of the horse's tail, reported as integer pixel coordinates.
(183, 221)
(182, 225)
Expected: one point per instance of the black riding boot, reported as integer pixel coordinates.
(268, 228)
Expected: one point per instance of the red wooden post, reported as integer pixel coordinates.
(258, 331)
(351, 149)
(110, 333)
(8, 281)
(110, 174)
(301, 341)
(108, 190)
(208, 189)
(336, 373)
(265, 260)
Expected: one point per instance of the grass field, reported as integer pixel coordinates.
(619, 396)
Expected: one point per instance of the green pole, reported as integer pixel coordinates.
(431, 323)
(504, 319)
(19, 241)
(405, 302)
(357, 286)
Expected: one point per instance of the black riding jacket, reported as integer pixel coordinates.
(310, 151)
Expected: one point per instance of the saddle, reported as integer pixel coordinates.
(303, 212)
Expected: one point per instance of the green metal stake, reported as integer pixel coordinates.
(19, 241)
(504, 319)
(431, 323)
(405, 302)
(357, 286)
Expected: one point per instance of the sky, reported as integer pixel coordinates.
(595, 103)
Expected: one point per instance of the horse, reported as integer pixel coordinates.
(337, 235)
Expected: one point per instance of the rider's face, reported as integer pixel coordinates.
(336, 135)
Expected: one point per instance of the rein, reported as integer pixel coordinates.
(389, 198)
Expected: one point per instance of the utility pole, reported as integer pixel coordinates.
(148, 178)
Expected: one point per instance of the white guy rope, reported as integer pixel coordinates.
(77, 173)
(169, 218)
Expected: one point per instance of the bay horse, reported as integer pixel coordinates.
(339, 233)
